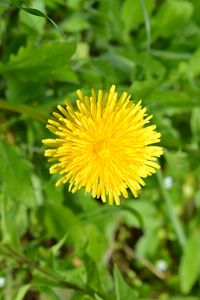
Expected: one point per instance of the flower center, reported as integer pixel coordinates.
(101, 148)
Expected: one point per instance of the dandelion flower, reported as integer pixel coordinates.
(103, 145)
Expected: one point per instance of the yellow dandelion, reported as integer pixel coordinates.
(104, 145)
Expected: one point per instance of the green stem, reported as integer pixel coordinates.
(147, 24)
(23, 109)
(173, 217)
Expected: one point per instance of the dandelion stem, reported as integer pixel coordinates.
(173, 217)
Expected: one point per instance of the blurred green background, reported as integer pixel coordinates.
(57, 245)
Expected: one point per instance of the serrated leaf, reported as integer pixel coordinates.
(31, 67)
(122, 289)
(189, 268)
(39, 63)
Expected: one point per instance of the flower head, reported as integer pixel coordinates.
(104, 145)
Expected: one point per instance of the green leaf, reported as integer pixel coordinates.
(46, 291)
(93, 276)
(132, 14)
(189, 268)
(75, 23)
(12, 231)
(122, 289)
(34, 11)
(59, 221)
(141, 89)
(22, 292)
(32, 66)
(19, 91)
(31, 20)
(172, 16)
(15, 175)
(55, 249)
(96, 242)
(171, 101)
(39, 63)
(178, 163)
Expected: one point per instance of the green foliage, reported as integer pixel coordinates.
(16, 175)
(32, 66)
(59, 245)
(122, 290)
(190, 261)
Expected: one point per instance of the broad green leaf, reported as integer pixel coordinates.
(96, 242)
(189, 268)
(149, 243)
(15, 175)
(32, 66)
(132, 14)
(141, 89)
(192, 67)
(75, 23)
(46, 62)
(139, 214)
(19, 91)
(152, 67)
(59, 221)
(122, 289)
(171, 17)
(75, 4)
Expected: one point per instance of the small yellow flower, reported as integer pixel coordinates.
(104, 145)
